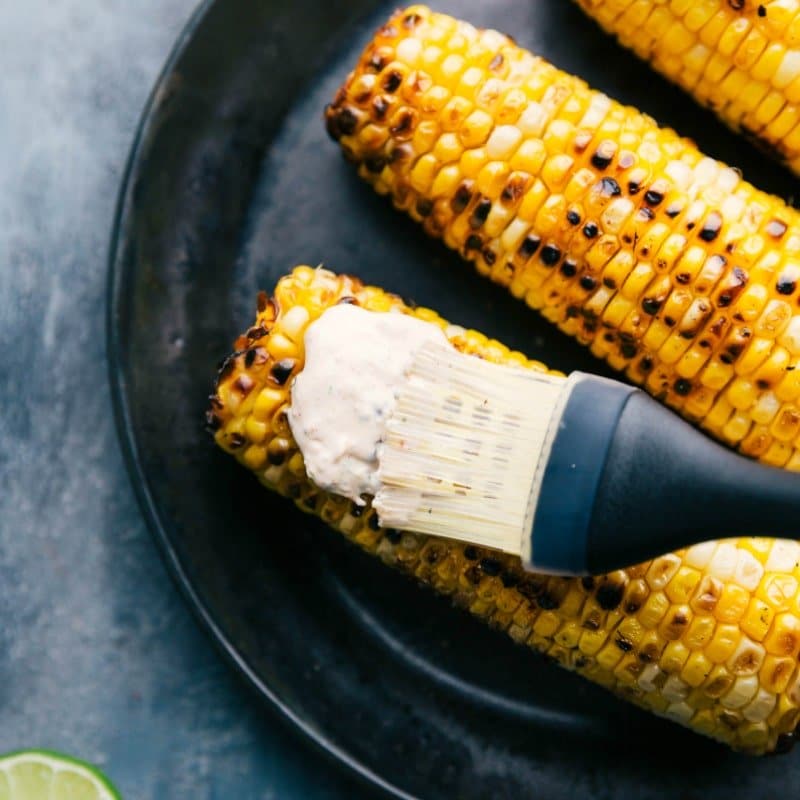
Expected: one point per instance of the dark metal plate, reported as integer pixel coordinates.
(232, 181)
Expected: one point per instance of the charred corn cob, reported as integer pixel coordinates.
(740, 58)
(665, 262)
(707, 636)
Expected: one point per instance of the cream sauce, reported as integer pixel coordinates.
(355, 363)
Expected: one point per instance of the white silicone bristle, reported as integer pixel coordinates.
(462, 448)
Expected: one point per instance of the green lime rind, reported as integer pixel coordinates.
(48, 775)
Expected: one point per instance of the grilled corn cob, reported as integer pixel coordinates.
(665, 262)
(740, 58)
(707, 636)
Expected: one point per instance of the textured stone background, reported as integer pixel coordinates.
(98, 654)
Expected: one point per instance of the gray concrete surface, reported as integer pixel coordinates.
(98, 654)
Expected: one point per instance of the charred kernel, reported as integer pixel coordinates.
(347, 300)
(550, 255)
(424, 207)
(374, 164)
(736, 5)
(530, 244)
(652, 197)
(282, 370)
(392, 534)
(591, 624)
(403, 125)
(590, 230)
(461, 198)
(489, 256)
(645, 214)
(236, 440)
(573, 217)
(601, 160)
(711, 227)
(480, 213)
(609, 188)
(356, 510)
(496, 62)
(509, 579)
(244, 383)
(490, 566)
(623, 643)
(547, 602)
(346, 121)
(572, 311)
(531, 587)
(411, 21)
(569, 268)
(669, 322)
(609, 337)
(785, 285)
(634, 187)
(646, 364)
(690, 225)
(380, 105)
(609, 283)
(213, 422)
(587, 282)
(473, 574)
(672, 211)
(650, 305)
(256, 332)
(587, 583)
(377, 62)
(392, 81)
(628, 350)
(762, 11)
(762, 384)
(474, 242)
(374, 523)
(470, 553)
(261, 301)
(776, 228)
(683, 278)
(249, 357)
(400, 153)
(682, 387)
(513, 190)
(609, 595)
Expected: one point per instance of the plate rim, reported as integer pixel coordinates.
(117, 379)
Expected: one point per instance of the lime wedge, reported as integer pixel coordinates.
(41, 775)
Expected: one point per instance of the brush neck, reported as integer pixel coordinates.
(627, 480)
(666, 486)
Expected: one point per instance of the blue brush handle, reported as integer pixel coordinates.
(627, 480)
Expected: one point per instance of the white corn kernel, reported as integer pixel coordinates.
(760, 707)
(503, 141)
(700, 555)
(748, 571)
(741, 693)
(783, 557)
(680, 712)
(723, 563)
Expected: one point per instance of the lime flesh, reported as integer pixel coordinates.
(41, 775)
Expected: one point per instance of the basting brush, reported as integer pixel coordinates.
(576, 475)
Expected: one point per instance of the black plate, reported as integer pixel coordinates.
(232, 181)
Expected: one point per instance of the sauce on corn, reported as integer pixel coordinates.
(355, 363)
